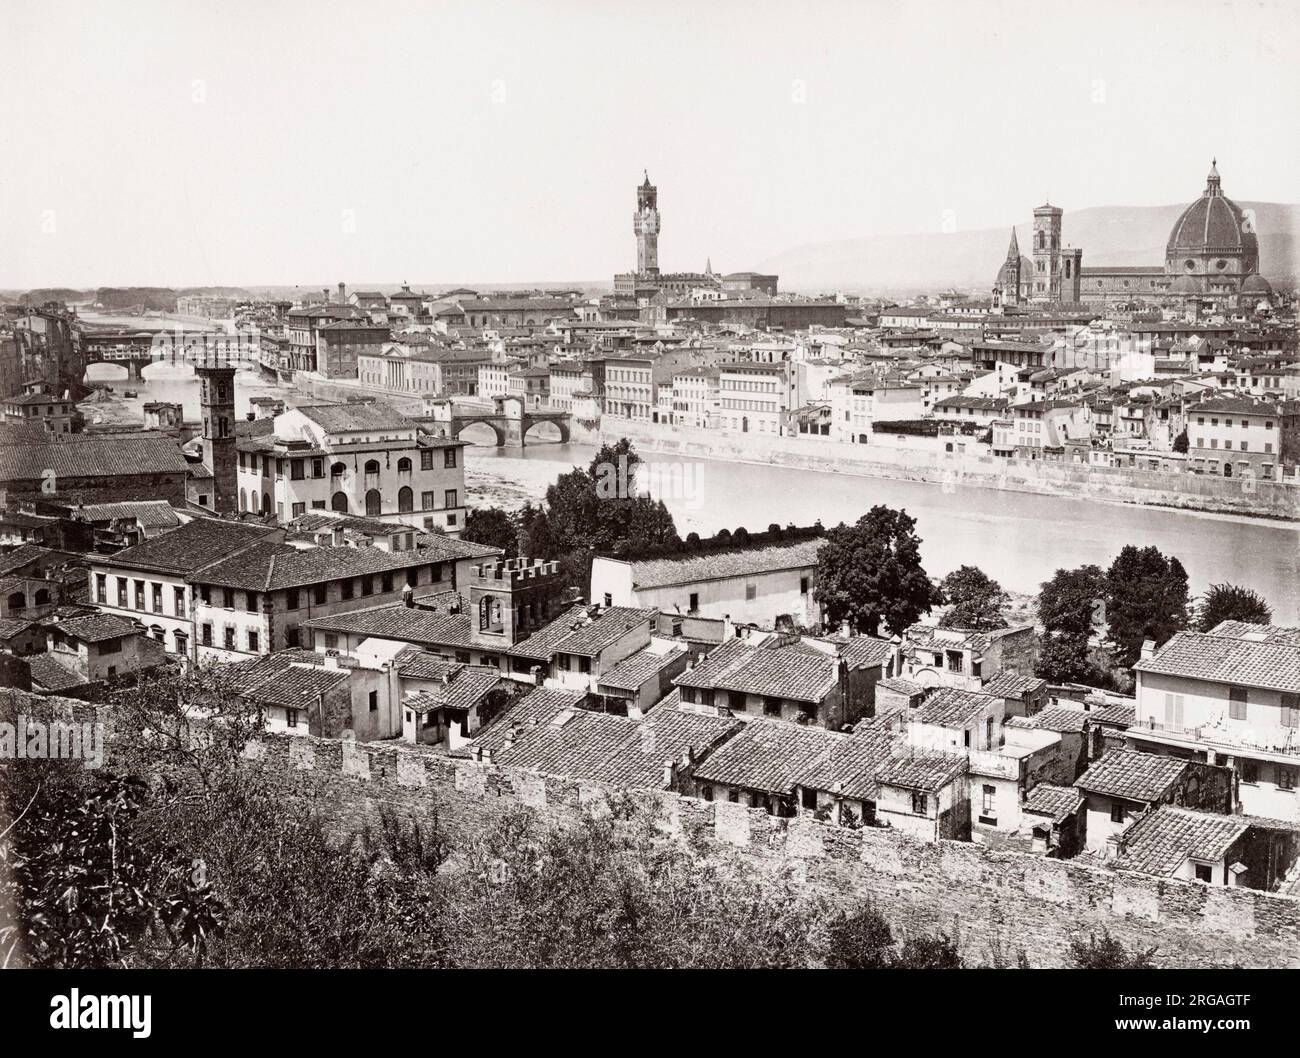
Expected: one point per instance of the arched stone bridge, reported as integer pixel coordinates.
(508, 418)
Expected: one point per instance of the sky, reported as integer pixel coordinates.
(187, 143)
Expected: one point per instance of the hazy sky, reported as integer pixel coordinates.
(238, 142)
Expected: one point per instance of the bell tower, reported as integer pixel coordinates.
(645, 222)
(217, 408)
(1046, 280)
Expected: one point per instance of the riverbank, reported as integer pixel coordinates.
(1144, 488)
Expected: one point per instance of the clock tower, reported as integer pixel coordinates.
(645, 223)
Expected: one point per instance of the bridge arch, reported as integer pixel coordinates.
(462, 424)
(561, 425)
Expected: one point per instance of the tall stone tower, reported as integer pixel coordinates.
(646, 225)
(217, 400)
(1047, 254)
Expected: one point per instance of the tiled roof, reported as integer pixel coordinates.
(52, 673)
(274, 565)
(590, 636)
(12, 626)
(26, 555)
(539, 706)
(1257, 633)
(96, 628)
(862, 651)
(1010, 684)
(1132, 775)
(921, 771)
(346, 418)
(900, 685)
(772, 672)
(82, 455)
(1227, 659)
(421, 665)
(151, 514)
(465, 687)
(540, 645)
(1060, 718)
(633, 671)
(772, 756)
(297, 686)
(189, 547)
(1162, 840)
(396, 621)
(665, 734)
(1055, 801)
(952, 707)
(1118, 715)
(720, 565)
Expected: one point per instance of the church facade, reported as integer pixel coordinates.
(1211, 264)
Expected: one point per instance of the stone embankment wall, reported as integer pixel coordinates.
(1117, 485)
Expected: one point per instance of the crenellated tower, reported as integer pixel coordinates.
(646, 225)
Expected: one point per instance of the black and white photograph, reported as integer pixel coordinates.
(526, 486)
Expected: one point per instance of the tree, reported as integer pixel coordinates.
(859, 941)
(930, 952)
(976, 600)
(1229, 602)
(1180, 442)
(491, 526)
(1146, 599)
(1064, 658)
(1108, 954)
(870, 573)
(1073, 602)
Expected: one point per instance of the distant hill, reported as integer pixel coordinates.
(1109, 235)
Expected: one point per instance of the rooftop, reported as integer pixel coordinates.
(189, 547)
(1054, 801)
(720, 565)
(1164, 839)
(1269, 659)
(1131, 775)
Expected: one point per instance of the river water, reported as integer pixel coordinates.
(1019, 539)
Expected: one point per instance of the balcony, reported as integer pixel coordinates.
(1228, 735)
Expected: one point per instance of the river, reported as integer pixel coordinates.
(1019, 539)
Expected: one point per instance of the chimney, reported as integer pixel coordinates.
(343, 295)
(670, 773)
(511, 735)
(1148, 648)
(844, 628)
(895, 656)
(726, 626)
(408, 596)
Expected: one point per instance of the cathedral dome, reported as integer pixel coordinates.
(1258, 285)
(1213, 225)
(1185, 285)
(1005, 272)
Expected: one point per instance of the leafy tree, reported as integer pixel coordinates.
(976, 600)
(1073, 602)
(492, 526)
(1065, 658)
(1108, 954)
(1147, 599)
(859, 941)
(870, 573)
(82, 889)
(1180, 442)
(1229, 602)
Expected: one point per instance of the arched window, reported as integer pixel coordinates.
(403, 465)
(336, 470)
(372, 466)
(243, 500)
(405, 500)
(339, 502)
(266, 503)
(372, 502)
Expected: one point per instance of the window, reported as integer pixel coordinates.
(386, 582)
(320, 593)
(121, 592)
(373, 700)
(706, 792)
(1291, 710)
(291, 718)
(346, 586)
(1237, 703)
(426, 501)
(318, 467)
(771, 706)
(450, 498)
(584, 664)
(1203, 873)
(367, 586)
(252, 641)
(695, 602)
(449, 458)
(292, 637)
(803, 585)
(250, 601)
(405, 500)
(296, 470)
(139, 595)
(110, 646)
(228, 598)
(229, 638)
(101, 588)
(751, 591)
(205, 635)
(291, 599)
(1285, 777)
(298, 509)
(1117, 813)
(426, 459)
(1250, 771)
(990, 792)
(920, 803)
(807, 797)
(403, 465)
